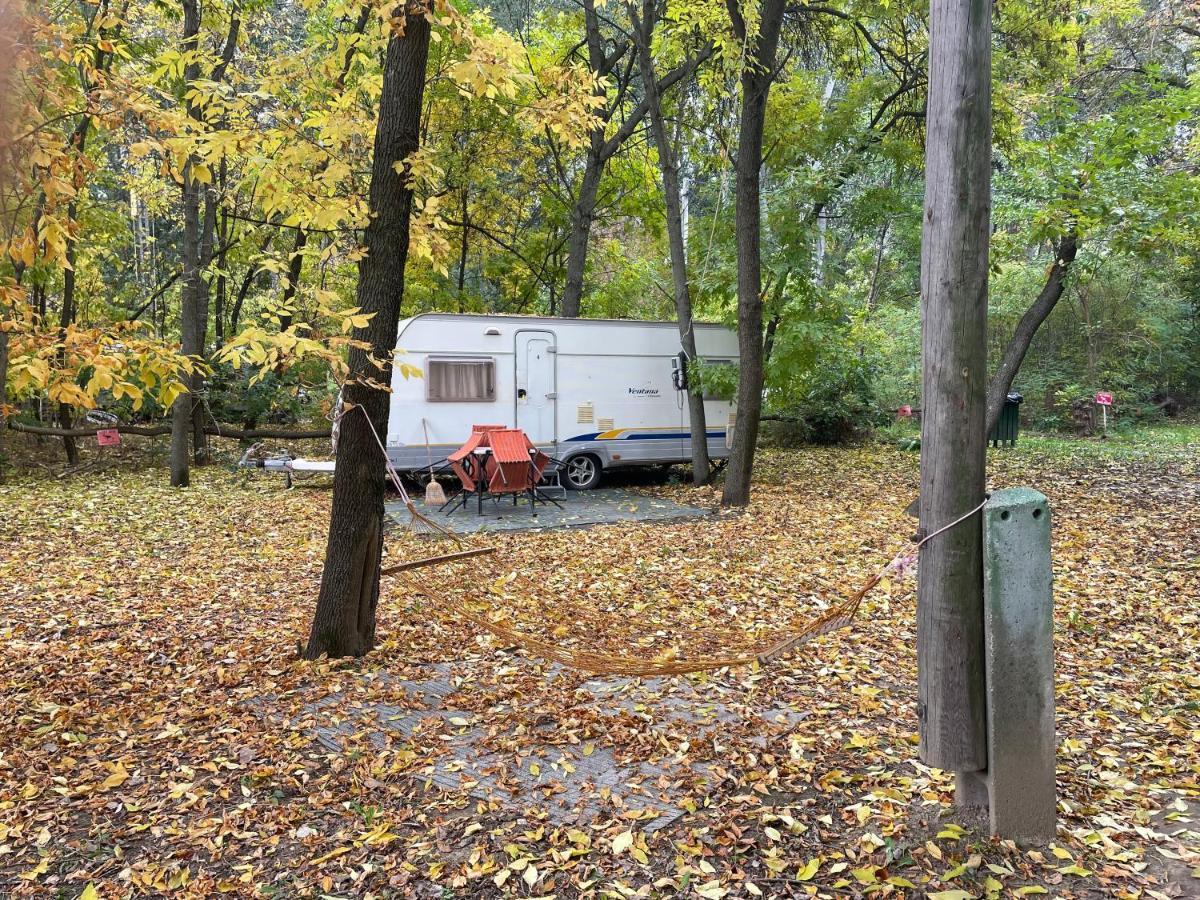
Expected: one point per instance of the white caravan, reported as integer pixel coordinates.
(593, 393)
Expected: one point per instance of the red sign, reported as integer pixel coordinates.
(1104, 398)
(108, 437)
(904, 412)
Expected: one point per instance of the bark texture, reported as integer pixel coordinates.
(344, 623)
(224, 230)
(757, 75)
(643, 32)
(190, 338)
(66, 417)
(583, 213)
(181, 411)
(3, 394)
(954, 279)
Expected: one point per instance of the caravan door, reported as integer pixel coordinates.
(536, 385)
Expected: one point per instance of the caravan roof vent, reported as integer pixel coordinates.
(493, 332)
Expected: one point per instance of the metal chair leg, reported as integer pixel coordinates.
(457, 501)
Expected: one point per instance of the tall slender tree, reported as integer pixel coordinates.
(954, 293)
(757, 74)
(344, 623)
(668, 165)
(199, 226)
(618, 63)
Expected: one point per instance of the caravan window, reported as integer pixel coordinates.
(460, 380)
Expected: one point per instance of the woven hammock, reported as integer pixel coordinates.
(832, 619)
(839, 616)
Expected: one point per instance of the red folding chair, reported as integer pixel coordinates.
(470, 468)
(517, 465)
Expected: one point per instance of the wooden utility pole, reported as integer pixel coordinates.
(954, 290)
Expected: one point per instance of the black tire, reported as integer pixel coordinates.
(581, 473)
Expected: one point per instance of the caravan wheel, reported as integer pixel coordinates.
(582, 473)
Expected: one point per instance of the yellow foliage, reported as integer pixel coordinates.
(76, 365)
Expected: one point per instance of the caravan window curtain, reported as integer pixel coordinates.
(460, 380)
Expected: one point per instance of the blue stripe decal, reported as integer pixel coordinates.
(642, 436)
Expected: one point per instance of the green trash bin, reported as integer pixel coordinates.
(1009, 423)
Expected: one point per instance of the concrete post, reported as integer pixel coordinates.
(1019, 665)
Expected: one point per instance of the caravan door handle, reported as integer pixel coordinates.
(552, 396)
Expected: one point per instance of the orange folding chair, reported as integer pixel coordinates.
(470, 468)
(517, 466)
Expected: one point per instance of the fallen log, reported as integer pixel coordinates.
(248, 434)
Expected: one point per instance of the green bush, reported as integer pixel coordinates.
(833, 402)
(276, 399)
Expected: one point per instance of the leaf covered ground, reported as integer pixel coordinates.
(160, 734)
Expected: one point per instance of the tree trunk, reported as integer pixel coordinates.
(873, 293)
(600, 149)
(66, 420)
(1089, 336)
(344, 623)
(181, 412)
(222, 277)
(583, 211)
(464, 245)
(757, 75)
(200, 451)
(954, 283)
(3, 391)
(643, 31)
(67, 315)
(582, 214)
(187, 413)
(235, 312)
(1018, 344)
(295, 270)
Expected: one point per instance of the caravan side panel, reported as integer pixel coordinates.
(623, 407)
(613, 392)
(423, 429)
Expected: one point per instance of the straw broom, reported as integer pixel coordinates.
(434, 495)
